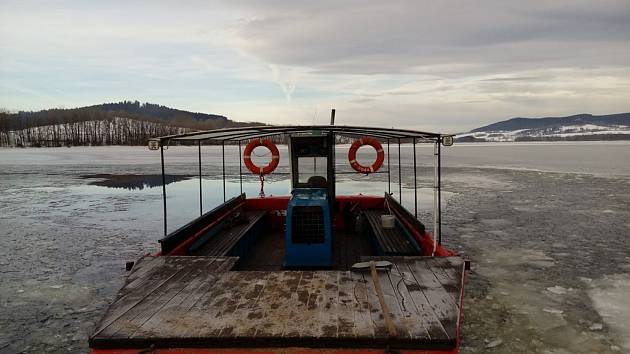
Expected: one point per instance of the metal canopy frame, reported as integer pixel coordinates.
(240, 134)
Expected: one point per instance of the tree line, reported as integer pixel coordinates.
(123, 123)
(111, 131)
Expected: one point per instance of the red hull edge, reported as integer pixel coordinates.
(267, 351)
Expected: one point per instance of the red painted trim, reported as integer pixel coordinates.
(267, 203)
(282, 202)
(461, 308)
(292, 350)
(424, 240)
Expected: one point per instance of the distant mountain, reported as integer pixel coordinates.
(576, 127)
(121, 123)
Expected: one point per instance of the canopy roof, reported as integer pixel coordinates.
(243, 133)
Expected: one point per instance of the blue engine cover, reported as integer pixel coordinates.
(308, 236)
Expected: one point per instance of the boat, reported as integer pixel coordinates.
(309, 272)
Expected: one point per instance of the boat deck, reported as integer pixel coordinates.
(199, 302)
(268, 252)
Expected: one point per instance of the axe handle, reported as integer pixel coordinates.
(381, 299)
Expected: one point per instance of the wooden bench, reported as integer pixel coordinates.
(223, 239)
(390, 241)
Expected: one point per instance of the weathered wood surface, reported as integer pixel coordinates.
(221, 243)
(156, 286)
(201, 305)
(391, 241)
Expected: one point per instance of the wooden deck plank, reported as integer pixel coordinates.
(419, 302)
(440, 301)
(363, 326)
(270, 306)
(146, 266)
(289, 306)
(252, 302)
(205, 303)
(310, 325)
(393, 305)
(139, 314)
(329, 304)
(141, 267)
(297, 305)
(346, 305)
(448, 275)
(171, 312)
(244, 309)
(160, 271)
(224, 296)
(374, 307)
(414, 321)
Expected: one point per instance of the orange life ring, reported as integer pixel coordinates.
(275, 156)
(352, 155)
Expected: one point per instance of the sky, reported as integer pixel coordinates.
(446, 66)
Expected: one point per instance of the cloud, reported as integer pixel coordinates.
(370, 37)
(435, 65)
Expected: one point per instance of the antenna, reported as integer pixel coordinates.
(332, 117)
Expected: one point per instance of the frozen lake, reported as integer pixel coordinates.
(605, 158)
(545, 224)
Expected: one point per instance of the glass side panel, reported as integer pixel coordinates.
(311, 166)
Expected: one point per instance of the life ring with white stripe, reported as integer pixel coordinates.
(275, 156)
(352, 155)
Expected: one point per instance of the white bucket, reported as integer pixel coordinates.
(388, 221)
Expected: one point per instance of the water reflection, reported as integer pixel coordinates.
(183, 202)
(133, 182)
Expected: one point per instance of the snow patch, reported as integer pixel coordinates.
(549, 132)
(558, 290)
(553, 311)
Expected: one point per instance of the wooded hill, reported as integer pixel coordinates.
(551, 122)
(122, 123)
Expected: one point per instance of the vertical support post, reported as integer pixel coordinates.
(200, 188)
(389, 168)
(439, 192)
(240, 166)
(415, 181)
(331, 173)
(223, 166)
(436, 188)
(399, 174)
(163, 185)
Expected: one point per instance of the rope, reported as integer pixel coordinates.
(389, 209)
(262, 186)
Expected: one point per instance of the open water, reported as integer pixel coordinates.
(546, 225)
